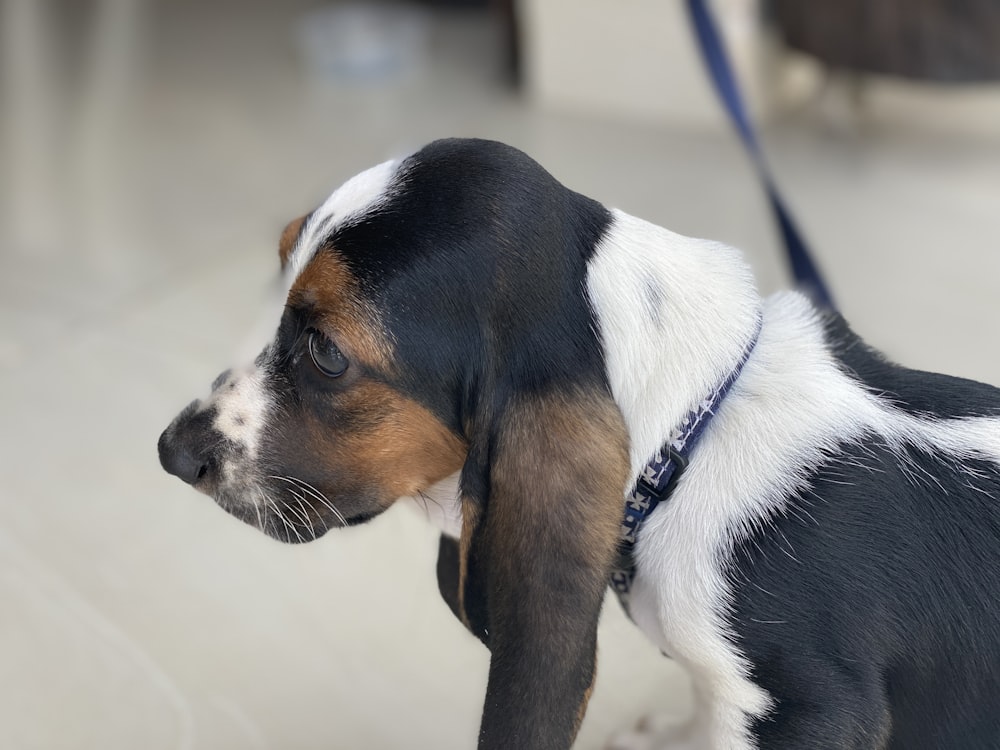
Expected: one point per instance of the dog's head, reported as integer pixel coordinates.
(436, 322)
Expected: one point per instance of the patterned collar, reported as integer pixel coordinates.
(659, 477)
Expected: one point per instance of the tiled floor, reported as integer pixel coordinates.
(133, 613)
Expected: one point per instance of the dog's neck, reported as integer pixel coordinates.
(676, 315)
(661, 473)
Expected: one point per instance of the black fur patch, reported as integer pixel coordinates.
(870, 611)
(478, 264)
(913, 391)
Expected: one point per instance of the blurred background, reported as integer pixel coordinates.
(152, 150)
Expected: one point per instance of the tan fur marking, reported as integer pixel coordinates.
(397, 444)
(470, 519)
(556, 493)
(583, 446)
(289, 235)
(586, 699)
(328, 286)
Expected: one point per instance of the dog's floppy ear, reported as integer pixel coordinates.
(542, 500)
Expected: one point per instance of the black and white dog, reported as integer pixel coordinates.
(459, 325)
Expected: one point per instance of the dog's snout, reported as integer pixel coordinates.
(185, 447)
(182, 459)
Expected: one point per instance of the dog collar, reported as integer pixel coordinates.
(660, 475)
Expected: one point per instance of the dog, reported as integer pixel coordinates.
(590, 399)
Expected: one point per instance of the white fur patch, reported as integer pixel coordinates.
(675, 315)
(241, 403)
(361, 193)
(790, 410)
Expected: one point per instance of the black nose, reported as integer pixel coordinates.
(181, 459)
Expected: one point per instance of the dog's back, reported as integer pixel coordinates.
(827, 566)
(885, 570)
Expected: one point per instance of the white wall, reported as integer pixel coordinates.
(634, 59)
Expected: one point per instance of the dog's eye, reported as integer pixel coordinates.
(326, 356)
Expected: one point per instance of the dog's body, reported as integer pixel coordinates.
(461, 325)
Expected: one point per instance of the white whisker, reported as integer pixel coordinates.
(313, 492)
(298, 513)
(322, 498)
(303, 512)
(256, 507)
(281, 516)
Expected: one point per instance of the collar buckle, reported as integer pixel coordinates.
(677, 462)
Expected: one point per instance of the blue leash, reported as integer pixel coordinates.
(804, 269)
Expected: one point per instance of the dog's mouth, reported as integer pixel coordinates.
(210, 446)
(284, 508)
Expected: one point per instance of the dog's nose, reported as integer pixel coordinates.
(182, 460)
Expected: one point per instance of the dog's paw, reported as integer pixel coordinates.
(657, 732)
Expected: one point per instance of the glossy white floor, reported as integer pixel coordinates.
(133, 612)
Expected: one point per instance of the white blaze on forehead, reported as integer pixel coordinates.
(359, 194)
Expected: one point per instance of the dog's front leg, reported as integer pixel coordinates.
(534, 561)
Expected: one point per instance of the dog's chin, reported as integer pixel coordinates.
(289, 519)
